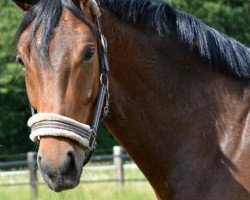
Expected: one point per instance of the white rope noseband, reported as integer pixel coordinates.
(49, 124)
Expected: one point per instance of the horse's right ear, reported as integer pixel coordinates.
(23, 4)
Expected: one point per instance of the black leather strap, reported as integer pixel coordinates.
(102, 104)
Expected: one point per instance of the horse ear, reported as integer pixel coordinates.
(94, 8)
(23, 4)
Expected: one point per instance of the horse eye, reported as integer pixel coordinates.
(20, 60)
(88, 53)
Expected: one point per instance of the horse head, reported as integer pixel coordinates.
(58, 45)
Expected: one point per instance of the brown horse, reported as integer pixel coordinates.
(179, 93)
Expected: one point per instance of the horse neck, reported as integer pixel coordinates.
(167, 108)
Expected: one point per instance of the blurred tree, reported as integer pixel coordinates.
(10, 19)
(231, 17)
(13, 102)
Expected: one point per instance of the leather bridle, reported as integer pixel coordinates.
(101, 107)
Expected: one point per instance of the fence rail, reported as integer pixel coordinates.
(94, 159)
(118, 158)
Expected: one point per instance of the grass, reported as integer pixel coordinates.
(85, 191)
(97, 191)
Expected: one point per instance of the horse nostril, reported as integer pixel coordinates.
(44, 167)
(39, 158)
(71, 155)
(69, 165)
(65, 165)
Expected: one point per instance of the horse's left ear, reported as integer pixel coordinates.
(23, 4)
(92, 6)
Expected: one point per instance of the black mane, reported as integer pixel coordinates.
(221, 52)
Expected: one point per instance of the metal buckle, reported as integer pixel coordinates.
(104, 80)
(106, 107)
(92, 140)
(104, 43)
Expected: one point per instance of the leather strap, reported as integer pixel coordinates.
(102, 105)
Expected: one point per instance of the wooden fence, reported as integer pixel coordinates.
(118, 158)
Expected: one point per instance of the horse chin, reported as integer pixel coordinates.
(60, 182)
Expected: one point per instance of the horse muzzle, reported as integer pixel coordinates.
(59, 158)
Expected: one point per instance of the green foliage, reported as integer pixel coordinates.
(13, 102)
(14, 111)
(104, 140)
(228, 16)
(10, 19)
